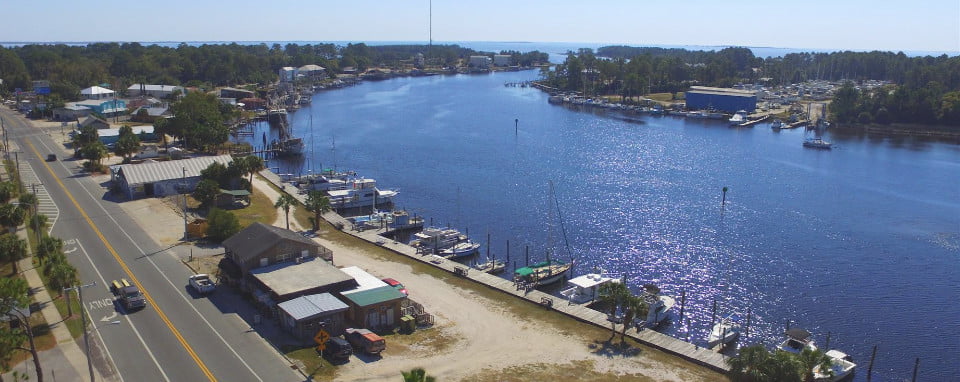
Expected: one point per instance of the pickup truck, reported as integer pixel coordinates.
(202, 283)
(365, 340)
(129, 295)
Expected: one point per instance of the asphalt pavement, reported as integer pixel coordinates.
(179, 336)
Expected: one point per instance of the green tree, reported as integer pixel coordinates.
(286, 201)
(127, 144)
(417, 374)
(60, 273)
(254, 164)
(12, 216)
(206, 192)
(634, 307)
(612, 295)
(319, 204)
(94, 153)
(48, 247)
(750, 365)
(13, 297)
(811, 360)
(12, 249)
(7, 190)
(221, 224)
(198, 119)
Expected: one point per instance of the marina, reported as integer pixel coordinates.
(640, 252)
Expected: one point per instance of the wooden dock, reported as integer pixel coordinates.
(688, 351)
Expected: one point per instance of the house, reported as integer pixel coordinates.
(159, 91)
(294, 277)
(97, 93)
(236, 93)
(305, 315)
(377, 308)
(112, 135)
(93, 121)
(260, 245)
(71, 112)
(252, 103)
(105, 107)
(316, 72)
(232, 198)
(162, 178)
(502, 59)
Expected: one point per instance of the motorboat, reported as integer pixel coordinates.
(842, 366)
(585, 288)
(461, 249)
(738, 118)
(724, 331)
(491, 266)
(437, 239)
(797, 340)
(777, 124)
(817, 143)
(659, 309)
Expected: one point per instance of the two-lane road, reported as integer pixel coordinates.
(177, 337)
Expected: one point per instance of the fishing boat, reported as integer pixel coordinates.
(797, 340)
(277, 116)
(585, 288)
(725, 331)
(437, 239)
(542, 273)
(461, 249)
(738, 118)
(841, 367)
(491, 266)
(659, 307)
(817, 143)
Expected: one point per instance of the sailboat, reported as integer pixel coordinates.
(288, 144)
(551, 270)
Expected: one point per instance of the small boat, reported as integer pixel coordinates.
(542, 273)
(738, 118)
(361, 193)
(797, 340)
(725, 331)
(436, 239)
(659, 310)
(841, 368)
(585, 288)
(491, 266)
(777, 124)
(461, 249)
(817, 143)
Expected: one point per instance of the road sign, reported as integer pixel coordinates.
(321, 337)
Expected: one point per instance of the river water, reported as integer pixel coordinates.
(862, 241)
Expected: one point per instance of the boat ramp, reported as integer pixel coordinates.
(688, 351)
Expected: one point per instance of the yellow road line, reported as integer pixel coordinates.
(126, 269)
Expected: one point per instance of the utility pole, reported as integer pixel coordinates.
(184, 191)
(83, 322)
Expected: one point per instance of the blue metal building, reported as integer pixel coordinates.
(724, 99)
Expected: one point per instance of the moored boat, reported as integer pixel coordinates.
(584, 288)
(461, 249)
(777, 124)
(797, 340)
(738, 118)
(433, 239)
(491, 266)
(817, 143)
(542, 273)
(659, 307)
(841, 367)
(361, 193)
(724, 331)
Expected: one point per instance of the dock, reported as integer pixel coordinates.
(688, 351)
(754, 121)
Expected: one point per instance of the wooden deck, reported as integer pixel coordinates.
(693, 353)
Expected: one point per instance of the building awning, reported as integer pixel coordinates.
(374, 296)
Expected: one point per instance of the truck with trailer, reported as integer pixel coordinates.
(128, 295)
(365, 340)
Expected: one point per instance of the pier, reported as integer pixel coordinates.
(688, 351)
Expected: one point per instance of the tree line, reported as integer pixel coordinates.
(924, 89)
(70, 68)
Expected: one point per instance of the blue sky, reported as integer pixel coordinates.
(818, 24)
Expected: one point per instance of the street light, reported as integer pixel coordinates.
(83, 322)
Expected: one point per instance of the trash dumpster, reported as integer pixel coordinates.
(408, 324)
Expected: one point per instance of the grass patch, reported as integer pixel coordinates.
(432, 340)
(260, 210)
(74, 324)
(309, 361)
(661, 97)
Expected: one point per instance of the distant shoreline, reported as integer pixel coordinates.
(903, 129)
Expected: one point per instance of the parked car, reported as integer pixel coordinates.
(396, 284)
(337, 349)
(202, 283)
(365, 340)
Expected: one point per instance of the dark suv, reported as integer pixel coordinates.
(338, 349)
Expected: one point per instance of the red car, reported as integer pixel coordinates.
(396, 284)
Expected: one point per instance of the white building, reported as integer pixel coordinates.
(502, 59)
(480, 62)
(96, 92)
(158, 91)
(288, 74)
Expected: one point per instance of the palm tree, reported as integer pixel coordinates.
(286, 201)
(417, 375)
(253, 165)
(318, 204)
(612, 295)
(12, 249)
(756, 364)
(811, 360)
(635, 306)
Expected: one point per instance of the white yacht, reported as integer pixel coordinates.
(584, 288)
(738, 118)
(361, 193)
(659, 310)
(725, 331)
(797, 340)
(817, 143)
(842, 367)
(461, 249)
(437, 238)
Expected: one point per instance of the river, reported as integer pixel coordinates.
(862, 241)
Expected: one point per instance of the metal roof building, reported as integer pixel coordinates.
(724, 99)
(163, 178)
(303, 315)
